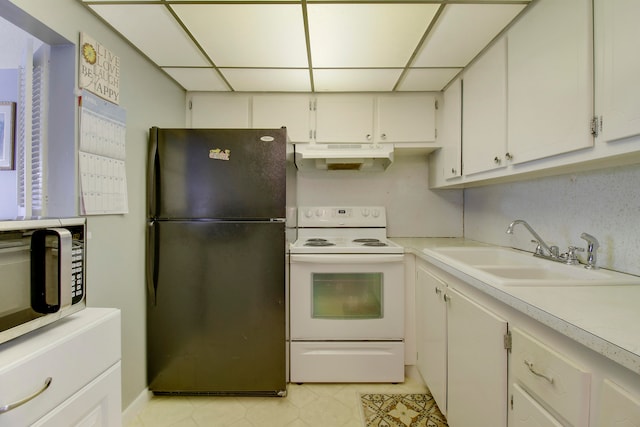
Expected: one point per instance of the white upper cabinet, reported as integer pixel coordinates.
(212, 110)
(450, 137)
(406, 118)
(550, 96)
(290, 110)
(344, 118)
(484, 112)
(617, 68)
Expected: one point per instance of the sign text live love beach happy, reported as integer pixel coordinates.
(99, 69)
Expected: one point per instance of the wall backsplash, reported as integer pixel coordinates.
(413, 210)
(604, 203)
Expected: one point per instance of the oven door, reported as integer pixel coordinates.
(347, 297)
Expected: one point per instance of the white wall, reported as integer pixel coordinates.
(115, 265)
(604, 203)
(413, 210)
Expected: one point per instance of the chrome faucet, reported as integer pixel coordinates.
(592, 248)
(552, 251)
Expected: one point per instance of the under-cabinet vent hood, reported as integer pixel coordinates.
(359, 157)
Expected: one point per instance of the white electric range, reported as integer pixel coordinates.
(346, 297)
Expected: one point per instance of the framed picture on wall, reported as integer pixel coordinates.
(7, 135)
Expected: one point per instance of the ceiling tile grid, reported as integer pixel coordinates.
(309, 45)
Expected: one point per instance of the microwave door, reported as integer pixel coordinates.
(15, 304)
(50, 270)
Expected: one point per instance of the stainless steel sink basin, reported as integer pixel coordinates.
(510, 267)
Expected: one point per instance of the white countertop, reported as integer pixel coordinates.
(605, 319)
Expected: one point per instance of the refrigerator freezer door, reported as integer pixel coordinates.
(216, 316)
(217, 173)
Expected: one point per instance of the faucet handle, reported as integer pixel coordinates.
(538, 250)
(571, 256)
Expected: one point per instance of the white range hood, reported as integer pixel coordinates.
(359, 157)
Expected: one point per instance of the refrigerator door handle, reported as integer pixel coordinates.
(153, 255)
(152, 182)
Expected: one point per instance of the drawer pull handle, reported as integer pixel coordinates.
(14, 405)
(537, 374)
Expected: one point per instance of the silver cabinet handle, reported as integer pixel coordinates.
(14, 405)
(497, 160)
(536, 373)
(446, 298)
(438, 291)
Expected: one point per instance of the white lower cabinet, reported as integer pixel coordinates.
(526, 412)
(461, 356)
(476, 364)
(431, 334)
(79, 358)
(618, 407)
(95, 405)
(554, 380)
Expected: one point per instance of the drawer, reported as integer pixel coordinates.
(526, 412)
(347, 362)
(554, 380)
(618, 408)
(96, 405)
(72, 352)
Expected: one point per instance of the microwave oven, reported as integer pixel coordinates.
(42, 273)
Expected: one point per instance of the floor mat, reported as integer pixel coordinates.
(401, 410)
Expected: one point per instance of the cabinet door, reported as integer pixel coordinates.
(617, 68)
(484, 112)
(292, 111)
(431, 334)
(344, 119)
(526, 412)
(96, 405)
(618, 408)
(406, 118)
(550, 75)
(476, 364)
(210, 110)
(451, 136)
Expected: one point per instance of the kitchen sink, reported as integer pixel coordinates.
(510, 267)
(485, 255)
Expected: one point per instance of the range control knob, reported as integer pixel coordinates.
(376, 213)
(365, 212)
(308, 213)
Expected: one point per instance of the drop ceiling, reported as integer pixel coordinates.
(309, 45)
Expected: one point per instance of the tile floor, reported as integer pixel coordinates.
(306, 405)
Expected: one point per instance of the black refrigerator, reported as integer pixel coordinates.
(216, 270)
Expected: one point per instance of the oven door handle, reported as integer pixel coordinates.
(346, 258)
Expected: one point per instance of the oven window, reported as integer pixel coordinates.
(347, 295)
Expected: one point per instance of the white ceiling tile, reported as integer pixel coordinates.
(164, 42)
(366, 35)
(198, 79)
(427, 79)
(356, 80)
(238, 1)
(268, 80)
(248, 35)
(462, 31)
